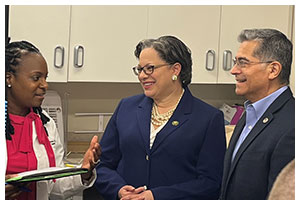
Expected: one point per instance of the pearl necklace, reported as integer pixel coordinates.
(159, 119)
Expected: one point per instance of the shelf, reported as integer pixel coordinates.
(100, 128)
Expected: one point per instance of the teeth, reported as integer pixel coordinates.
(148, 83)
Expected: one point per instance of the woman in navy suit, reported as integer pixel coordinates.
(165, 143)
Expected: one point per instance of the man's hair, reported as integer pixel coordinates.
(273, 46)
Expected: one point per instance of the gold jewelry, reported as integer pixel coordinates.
(159, 119)
(174, 77)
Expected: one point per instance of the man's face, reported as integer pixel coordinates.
(250, 73)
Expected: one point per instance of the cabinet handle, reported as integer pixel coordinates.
(227, 60)
(210, 60)
(77, 62)
(61, 50)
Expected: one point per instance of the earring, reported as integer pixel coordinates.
(9, 85)
(174, 77)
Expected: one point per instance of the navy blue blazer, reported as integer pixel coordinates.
(186, 159)
(266, 150)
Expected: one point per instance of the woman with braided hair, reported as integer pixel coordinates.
(32, 139)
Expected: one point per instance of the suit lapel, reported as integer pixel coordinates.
(261, 124)
(234, 138)
(143, 118)
(236, 134)
(179, 117)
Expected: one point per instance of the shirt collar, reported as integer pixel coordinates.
(261, 106)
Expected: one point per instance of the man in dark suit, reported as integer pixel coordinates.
(263, 141)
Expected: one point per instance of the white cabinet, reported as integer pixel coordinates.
(214, 29)
(99, 41)
(105, 38)
(108, 36)
(197, 27)
(236, 18)
(47, 27)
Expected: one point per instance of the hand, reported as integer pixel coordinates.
(11, 191)
(91, 157)
(130, 193)
(146, 195)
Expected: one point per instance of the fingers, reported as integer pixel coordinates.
(12, 192)
(139, 190)
(96, 153)
(133, 197)
(130, 193)
(144, 195)
(128, 188)
(12, 195)
(94, 141)
(125, 190)
(8, 176)
(96, 149)
(91, 157)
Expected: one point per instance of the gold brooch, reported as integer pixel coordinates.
(175, 123)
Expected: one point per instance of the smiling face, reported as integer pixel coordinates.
(252, 81)
(159, 84)
(28, 84)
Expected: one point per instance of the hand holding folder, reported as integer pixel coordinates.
(45, 174)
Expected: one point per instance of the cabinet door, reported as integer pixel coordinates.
(47, 27)
(197, 27)
(105, 38)
(236, 18)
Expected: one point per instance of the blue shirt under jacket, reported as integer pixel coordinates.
(254, 111)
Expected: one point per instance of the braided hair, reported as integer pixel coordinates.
(13, 53)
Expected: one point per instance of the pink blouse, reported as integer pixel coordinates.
(20, 152)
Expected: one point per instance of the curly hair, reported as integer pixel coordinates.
(171, 50)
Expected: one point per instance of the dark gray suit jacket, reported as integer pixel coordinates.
(266, 150)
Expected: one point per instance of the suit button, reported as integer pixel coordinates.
(147, 157)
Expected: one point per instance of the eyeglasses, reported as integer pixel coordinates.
(243, 62)
(148, 69)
